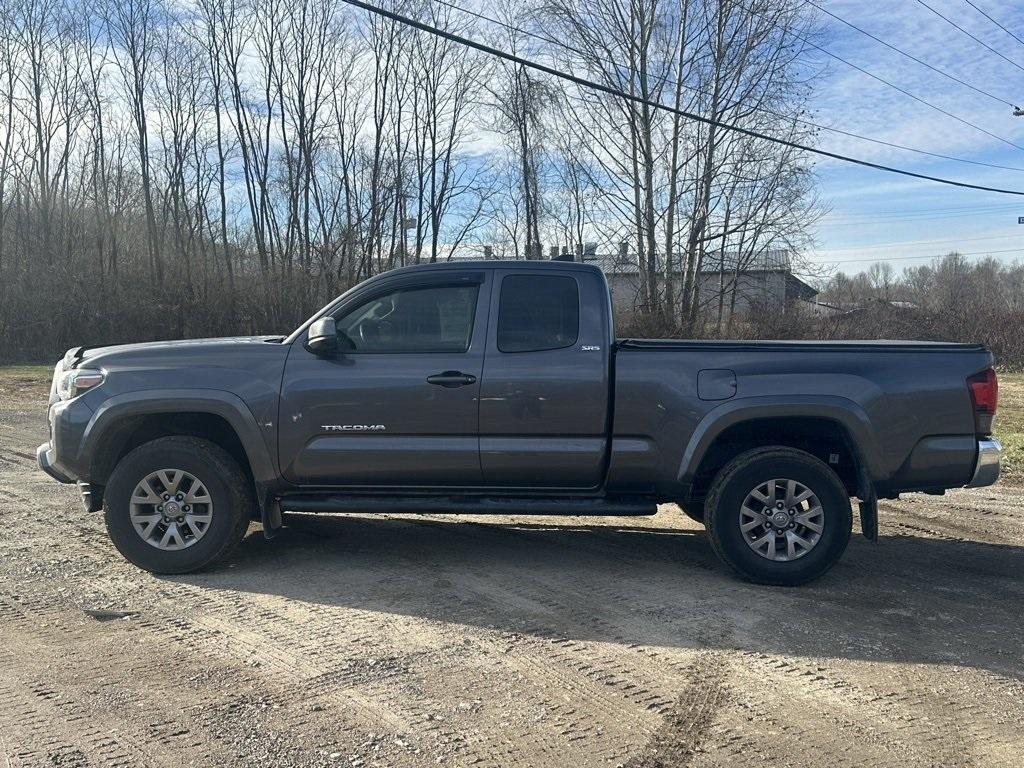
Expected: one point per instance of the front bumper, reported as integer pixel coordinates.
(986, 466)
(45, 460)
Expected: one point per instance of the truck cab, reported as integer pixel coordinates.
(453, 377)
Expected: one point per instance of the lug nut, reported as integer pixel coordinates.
(167, 497)
(159, 507)
(188, 508)
(179, 497)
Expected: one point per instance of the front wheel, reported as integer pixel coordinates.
(778, 516)
(177, 505)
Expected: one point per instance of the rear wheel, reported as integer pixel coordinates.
(778, 516)
(177, 504)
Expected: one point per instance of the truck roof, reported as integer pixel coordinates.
(470, 264)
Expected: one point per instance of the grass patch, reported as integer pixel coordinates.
(26, 371)
(1009, 424)
(24, 382)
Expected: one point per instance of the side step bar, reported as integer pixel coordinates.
(470, 505)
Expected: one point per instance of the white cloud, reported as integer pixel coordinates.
(853, 101)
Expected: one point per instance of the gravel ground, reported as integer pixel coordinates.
(413, 641)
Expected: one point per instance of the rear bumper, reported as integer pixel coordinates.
(986, 466)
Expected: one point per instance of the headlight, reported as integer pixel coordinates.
(75, 382)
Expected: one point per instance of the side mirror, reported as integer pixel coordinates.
(323, 337)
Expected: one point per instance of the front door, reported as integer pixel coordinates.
(397, 405)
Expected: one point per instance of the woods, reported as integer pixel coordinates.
(952, 298)
(228, 166)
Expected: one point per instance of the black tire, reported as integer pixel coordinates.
(693, 510)
(229, 490)
(729, 491)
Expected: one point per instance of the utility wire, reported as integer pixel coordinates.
(900, 51)
(584, 82)
(908, 258)
(882, 142)
(898, 221)
(1011, 34)
(907, 93)
(917, 243)
(978, 40)
(882, 80)
(965, 209)
(859, 219)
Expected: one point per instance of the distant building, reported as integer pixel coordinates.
(764, 282)
(752, 283)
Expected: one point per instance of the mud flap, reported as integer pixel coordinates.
(868, 504)
(270, 513)
(869, 517)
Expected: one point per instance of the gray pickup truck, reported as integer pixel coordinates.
(500, 387)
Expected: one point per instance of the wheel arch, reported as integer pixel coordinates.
(124, 422)
(814, 425)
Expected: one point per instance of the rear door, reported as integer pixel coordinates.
(398, 405)
(544, 398)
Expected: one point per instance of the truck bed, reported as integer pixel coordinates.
(904, 403)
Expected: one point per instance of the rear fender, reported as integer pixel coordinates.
(844, 412)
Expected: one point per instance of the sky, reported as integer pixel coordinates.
(880, 216)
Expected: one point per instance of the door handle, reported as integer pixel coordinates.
(451, 379)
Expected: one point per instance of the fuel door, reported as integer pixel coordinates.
(716, 384)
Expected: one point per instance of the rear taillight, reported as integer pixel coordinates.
(984, 388)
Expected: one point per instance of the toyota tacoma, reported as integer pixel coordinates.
(500, 387)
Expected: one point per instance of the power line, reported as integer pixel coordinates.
(898, 220)
(971, 209)
(900, 51)
(916, 98)
(882, 80)
(908, 258)
(882, 142)
(916, 243)
(1011, 34)
(978, 40)
(584, 82)
(927, 213)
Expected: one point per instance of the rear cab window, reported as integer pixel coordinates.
(538, 312)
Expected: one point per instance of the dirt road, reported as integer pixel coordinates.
(401, 641)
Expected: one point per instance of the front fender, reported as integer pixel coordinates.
(845, 412)
(227, 405)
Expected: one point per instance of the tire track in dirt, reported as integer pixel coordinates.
(688, 720)
(907, 717)
(158, 717)
(43, 725)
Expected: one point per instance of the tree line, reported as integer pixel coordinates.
(952, 298)
(228, 166)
